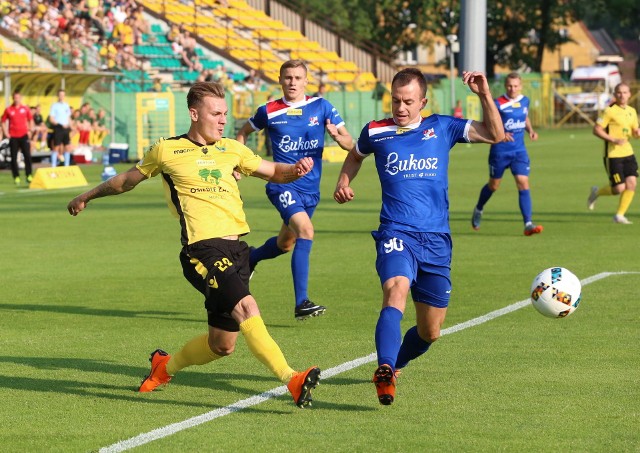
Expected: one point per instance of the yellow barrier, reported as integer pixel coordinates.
(58, 178)
(334, 154)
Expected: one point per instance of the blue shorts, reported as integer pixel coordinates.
(517, 161)
(289, 201)
(424, 258)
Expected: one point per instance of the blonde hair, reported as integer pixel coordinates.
(201, 90)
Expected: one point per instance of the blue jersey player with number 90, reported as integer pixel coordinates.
(296, 125)
(413, 241)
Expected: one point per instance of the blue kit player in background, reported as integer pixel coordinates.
(296, 124)
(511, 153)
(413, 241)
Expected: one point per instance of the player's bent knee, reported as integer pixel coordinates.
(429, 334)
(223, 350)
(286, 247)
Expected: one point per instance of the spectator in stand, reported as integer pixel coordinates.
(140, 24)
(322, 90)
(189, 56)
(173, 33)
(17, 122)
(108, 54)
(157, 85)
(124, 33)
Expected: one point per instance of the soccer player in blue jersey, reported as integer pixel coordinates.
(511, 153)
(413, 241)
(296, 124)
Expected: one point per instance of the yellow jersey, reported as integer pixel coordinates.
(619, 123)
(199, 185)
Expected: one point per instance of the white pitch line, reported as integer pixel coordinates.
(168, 430)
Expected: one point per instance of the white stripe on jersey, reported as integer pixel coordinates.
(511, 102)
(391, 128)
(291, 106)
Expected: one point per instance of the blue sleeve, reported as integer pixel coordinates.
(331, 113)
(259, 120)
(456, 129)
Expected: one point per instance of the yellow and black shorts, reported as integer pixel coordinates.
(621, 167)
(219, 269)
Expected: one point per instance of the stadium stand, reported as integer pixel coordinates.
(254, 39)
(187, 41)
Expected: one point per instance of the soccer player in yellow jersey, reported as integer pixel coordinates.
(616, 126)
(197, 172)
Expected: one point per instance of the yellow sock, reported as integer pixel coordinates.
(625, 201)
(605, 190)
(195, 352)
(264, 348)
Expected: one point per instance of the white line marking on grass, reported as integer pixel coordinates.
(168, 430)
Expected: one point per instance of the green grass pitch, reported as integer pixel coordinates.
(86, 299)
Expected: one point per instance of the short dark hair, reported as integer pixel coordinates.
(620, 85)
(408, 75)
(293, 64)
(201, 90)
(512, 75)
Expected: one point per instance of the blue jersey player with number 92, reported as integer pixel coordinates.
(413, 241)
(296, 125)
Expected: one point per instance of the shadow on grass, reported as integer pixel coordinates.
(79, 310)
(218, 381)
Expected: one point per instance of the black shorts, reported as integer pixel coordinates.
(219, 269)
(60, 135)
(621, 167)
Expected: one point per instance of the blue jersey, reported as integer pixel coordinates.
(412, 164)
(297, 130)
(514, 114)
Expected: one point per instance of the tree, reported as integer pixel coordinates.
(518, 31)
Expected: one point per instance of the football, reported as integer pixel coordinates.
(555, 292)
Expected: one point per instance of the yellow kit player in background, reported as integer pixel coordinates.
(197, 172)
(617, 125)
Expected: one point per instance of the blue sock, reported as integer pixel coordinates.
(54, 159)
(67, 159)
(266, 251)
(300, 268)
(485, 194)
(413, 346)
(388, 336)
(524, 199)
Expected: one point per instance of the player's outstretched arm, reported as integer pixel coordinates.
(283, 173)
(491, 129)
(244, 132)
(116, 185)
(340, 135)
(350, 169)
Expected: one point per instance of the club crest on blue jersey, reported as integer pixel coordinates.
(313, 121)
(429, 134)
